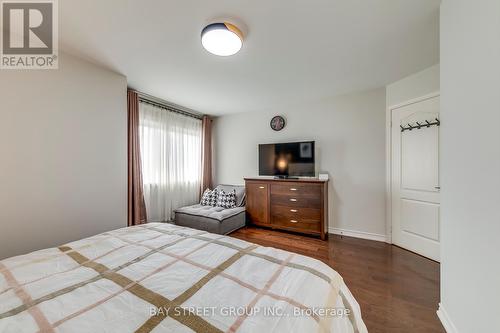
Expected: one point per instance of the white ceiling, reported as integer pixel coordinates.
(295, 51)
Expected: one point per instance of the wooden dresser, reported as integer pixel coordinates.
(288, 204)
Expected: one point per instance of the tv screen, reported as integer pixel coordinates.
(294, 159)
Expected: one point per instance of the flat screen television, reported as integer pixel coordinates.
(287, 160)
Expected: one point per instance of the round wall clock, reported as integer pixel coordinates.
(278, 123)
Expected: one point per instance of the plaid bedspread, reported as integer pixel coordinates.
(165, 278)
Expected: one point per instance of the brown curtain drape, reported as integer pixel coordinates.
(136, 204)
(206, 154)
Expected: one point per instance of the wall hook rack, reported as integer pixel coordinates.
(410, 127)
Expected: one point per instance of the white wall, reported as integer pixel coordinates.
(63, 148)
(470, 165)
(350, 140)
(417, 85)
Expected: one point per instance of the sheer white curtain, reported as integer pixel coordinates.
(171, 160)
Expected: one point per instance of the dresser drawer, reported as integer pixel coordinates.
(295, 189)
(309, 214)
(304, 201)
(297, 224)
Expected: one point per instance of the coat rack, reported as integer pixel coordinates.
(418, 125)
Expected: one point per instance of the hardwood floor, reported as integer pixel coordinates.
(398, 291)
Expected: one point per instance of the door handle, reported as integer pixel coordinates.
(437, 187)
(293, 210)
(294, 221)
(261, 187)
(293, 200)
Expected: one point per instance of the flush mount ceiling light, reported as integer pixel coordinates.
(222, 39)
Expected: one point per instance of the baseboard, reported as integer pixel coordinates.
(357, 234)
(388, 239)
(445, 320)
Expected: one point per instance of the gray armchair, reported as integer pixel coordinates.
(216, 220)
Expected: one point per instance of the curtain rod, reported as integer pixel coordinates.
(143, 97)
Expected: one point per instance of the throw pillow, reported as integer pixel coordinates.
(209, 198)
(226, 200)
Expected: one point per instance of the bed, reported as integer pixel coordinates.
(160, 277)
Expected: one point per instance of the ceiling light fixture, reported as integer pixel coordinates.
(222, 39)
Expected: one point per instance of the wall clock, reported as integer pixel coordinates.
(278, 123)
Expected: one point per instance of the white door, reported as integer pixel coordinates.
(415, 178)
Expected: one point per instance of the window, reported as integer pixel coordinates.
(171, 160)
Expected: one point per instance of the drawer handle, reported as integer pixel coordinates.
(262, 187)
(293, 200)
(293, 189)
(294, 221)
(293, 210)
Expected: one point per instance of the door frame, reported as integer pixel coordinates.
(388, 158)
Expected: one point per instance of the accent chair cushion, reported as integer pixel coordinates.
(212, 219)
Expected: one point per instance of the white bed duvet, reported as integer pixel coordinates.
(164, 278)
